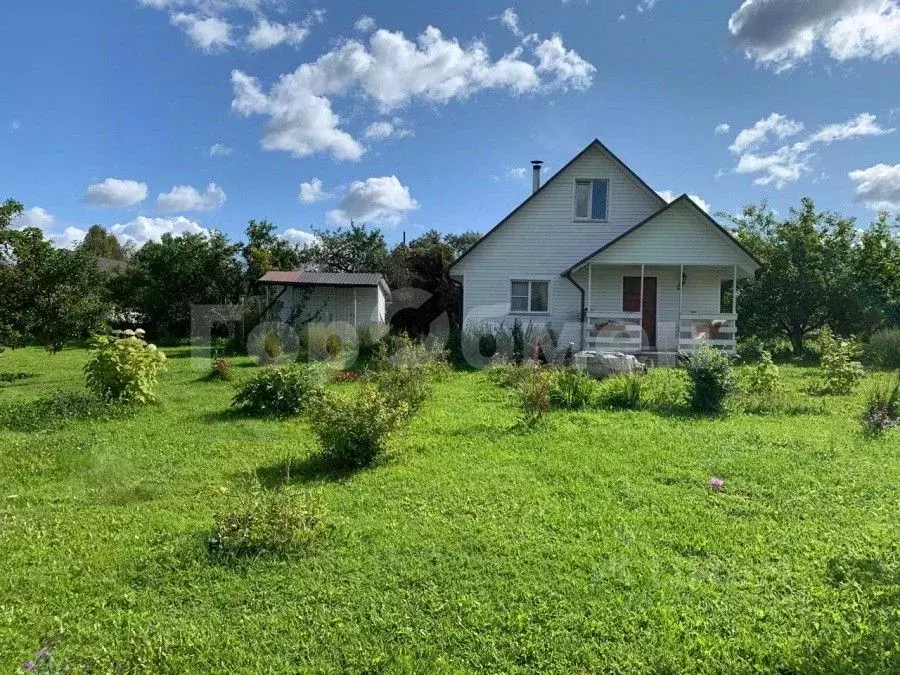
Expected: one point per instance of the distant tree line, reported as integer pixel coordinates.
(818, 269)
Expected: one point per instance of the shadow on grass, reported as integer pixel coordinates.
(15, 378)
(310, 469)
(58, 409)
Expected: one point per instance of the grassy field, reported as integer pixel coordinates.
(592, 544)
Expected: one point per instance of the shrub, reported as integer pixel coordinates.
(883, 349)
(273, 348)
(840, 373)
(354, 431)
(505, 373)
(265, 523)
(712, 379)
(621, 392)
(534, 395)
(220, 371)
(487, 345)
(123, 370)
(406, 386)
(571, 388)
(281, 391)
(764, 379)
(882, 410)
(518, 343)
(333, 345)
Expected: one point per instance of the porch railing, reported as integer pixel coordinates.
(717, 330)
(614, 331)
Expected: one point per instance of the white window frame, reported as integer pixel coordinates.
(529, 281)
(575, 182)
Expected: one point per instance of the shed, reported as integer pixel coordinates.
(355, 298)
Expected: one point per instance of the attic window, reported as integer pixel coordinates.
(591, 199)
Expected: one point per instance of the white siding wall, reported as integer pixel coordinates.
(335, 303)
(542, 240)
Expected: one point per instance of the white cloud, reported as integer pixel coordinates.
(313, 192)
(878, 187)
(267, 34)
(299, 237)
(775, 125)
(864, 124)
(621, 17)
(36, 216)
(510, 19)
(780, 33)
(567, 67)
(15, 125)
(115, 192)
(646, 5)
(788, 163)
(383, 130)
(516, 173)
(393, 71)
(188, 198)
(365, 24)
(143, 229)
(722, 128)
(670, 197)
(209, 33)
(68, 238)
(220, 150)
(383, 200)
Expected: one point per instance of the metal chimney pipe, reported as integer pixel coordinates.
(535, 175)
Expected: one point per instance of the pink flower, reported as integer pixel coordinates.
(717, 483)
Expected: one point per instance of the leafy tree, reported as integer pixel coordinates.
(351, 249)
(165, 278)
(877, 270)
(49, 295)
(101, 244)
(460, 243)
(265, 251)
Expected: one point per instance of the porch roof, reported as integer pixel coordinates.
(750, 262)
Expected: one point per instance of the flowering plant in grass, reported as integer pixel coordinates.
(717, 484)
(124, 370)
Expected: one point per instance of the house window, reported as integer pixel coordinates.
(591, 199)
(529, 296)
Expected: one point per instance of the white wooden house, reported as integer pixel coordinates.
(598, 255)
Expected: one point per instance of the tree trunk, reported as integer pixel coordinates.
(796, 336)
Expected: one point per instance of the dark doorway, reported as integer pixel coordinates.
(631, 302)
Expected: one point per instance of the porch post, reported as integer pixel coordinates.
(589, 288)
(734, 292)
(680, 297)
(641, 309)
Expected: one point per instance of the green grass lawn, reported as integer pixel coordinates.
(592, 544)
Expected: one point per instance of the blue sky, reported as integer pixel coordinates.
(110, 109)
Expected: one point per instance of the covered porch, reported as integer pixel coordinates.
(659, 309)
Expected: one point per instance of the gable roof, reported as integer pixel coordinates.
(349, 279)
(595, 144)
(682, 199)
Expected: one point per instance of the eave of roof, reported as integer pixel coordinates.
(333, 279)
(682, 198)
(593, 144)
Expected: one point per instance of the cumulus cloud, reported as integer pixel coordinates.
(220, 150)
(393, 71)
(646, 5)
(780, 33)
(383, 130)
(299, 237)
(510, 19)
(384, 200)
(787, 163)
(142, 229)
(365, 24)
(267, 34)
(671, 196)
(68, 238)
(115, 192)
(188, 198)
(35, 216)
(313, 192)
(723, 128)
(209, 33)
(878, 187)
(774, 126)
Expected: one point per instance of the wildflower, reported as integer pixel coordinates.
(30, 665)
(717, 483)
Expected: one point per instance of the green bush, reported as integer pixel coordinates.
(764, 379)
(712, 379)
(281, 391)
(220, 370)
(505, 373)
(882, 411)
(571, 388)
(883, 349)
(620, 392)
(273, 347)
(534, 395)
(840, 373)
(123, 370)
(353, 432)
(403, 385)
(265, 523)
(333, 345)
